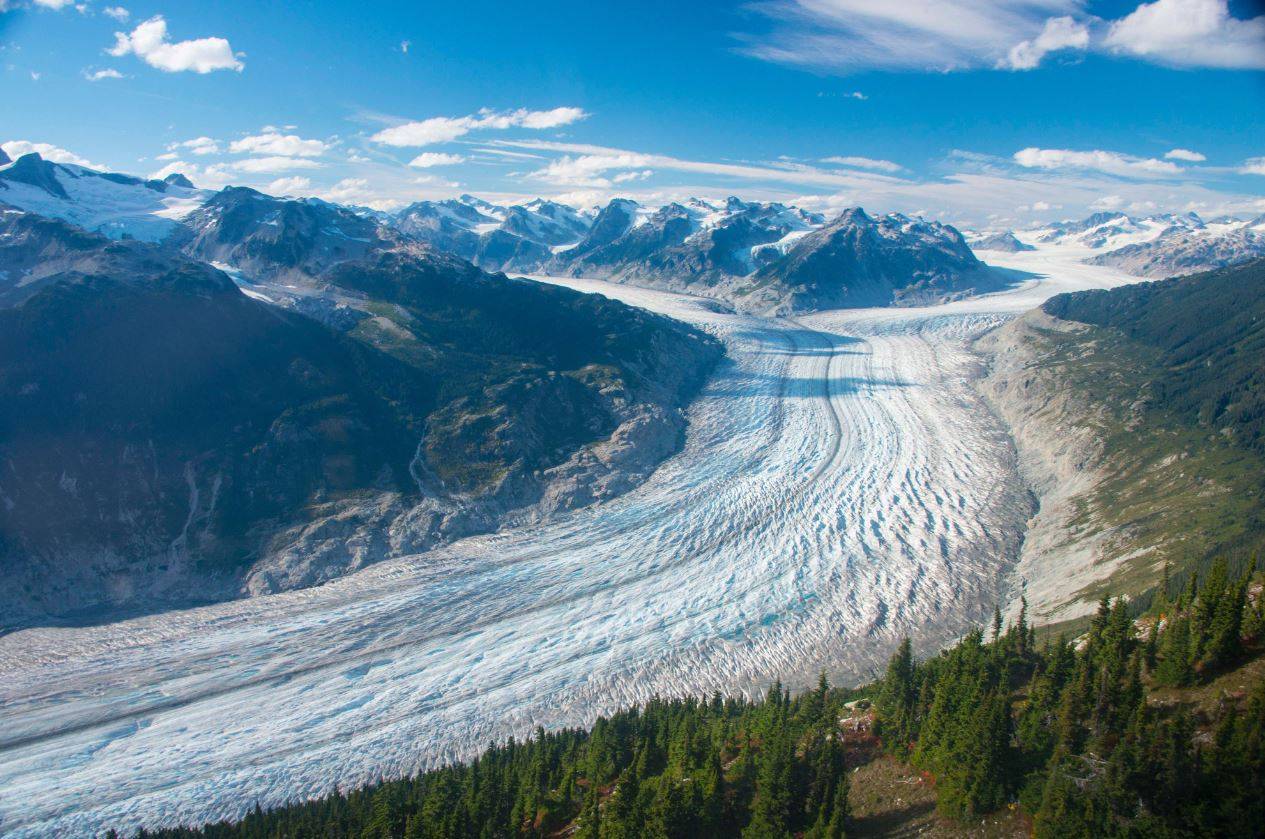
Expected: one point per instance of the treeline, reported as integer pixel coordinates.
(683, 768)
(1068, 732)
(1063, 731)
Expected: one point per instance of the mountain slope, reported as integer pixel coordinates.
(170, 439)
(857, 260)
(105, 202)
(1181, 252)
(1138, 417)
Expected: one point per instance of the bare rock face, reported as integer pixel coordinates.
(1060, 459)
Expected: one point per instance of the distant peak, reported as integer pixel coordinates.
(178, 179)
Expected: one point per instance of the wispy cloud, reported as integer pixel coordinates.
(429, 159)
(445, 129)
(913, 35)
(150, 43)
(863, 163)
(854, 35)
(1110, 162)
(99, 75)
(586, 165)
(1253, 166)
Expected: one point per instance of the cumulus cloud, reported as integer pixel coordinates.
(149, 42)
(1059, 33)
(863, 163)
(17, 148)
(117, 12)
(98, 75)
(275, 143)
(1190, 33)
(295, 185)
(198, 145)
(444, 129)
(1110, 162)
(426, 160)
(1184, 154)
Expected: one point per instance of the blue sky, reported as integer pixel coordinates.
(975, 111)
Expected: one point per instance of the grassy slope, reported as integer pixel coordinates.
(1175, 371)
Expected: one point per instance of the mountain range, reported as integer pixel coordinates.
(1157, 246)
(760, 257)
(175, 433)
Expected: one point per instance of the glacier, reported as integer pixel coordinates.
(841, 485)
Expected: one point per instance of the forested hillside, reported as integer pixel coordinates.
(1130, 731)
(1138, 414)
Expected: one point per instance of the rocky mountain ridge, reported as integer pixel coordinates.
(173, 434)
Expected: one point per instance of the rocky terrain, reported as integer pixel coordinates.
(170, 439)
(760, 257)
(1158, 246)
(1004, 240)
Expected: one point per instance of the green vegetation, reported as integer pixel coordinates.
(1107, 737)
(1174, 374)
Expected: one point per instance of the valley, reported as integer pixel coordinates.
(842, 484)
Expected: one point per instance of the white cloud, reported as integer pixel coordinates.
(276, 143)
(426, 160)
(587, 170)
(1251, 166)
(98, 75)
(850, 35)
(1110, 162)
(17, 148)
(198, 145)
(1190, 33)
(117, 12)
(628, 177)
(1041, 206)
(404, 45)
(910, 35)
(444, 129)
(276, 163)
(1060, 33)
(35, 76)
(176, 166)
(148, 42)
(1108, 202)
(864, 163)
(1184, 154)
(296, 185)
(55, 5)
(357, 191)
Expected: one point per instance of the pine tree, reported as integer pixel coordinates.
(1175, 668)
